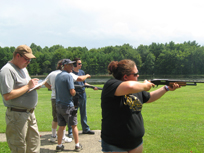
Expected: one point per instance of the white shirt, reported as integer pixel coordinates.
(51, 80)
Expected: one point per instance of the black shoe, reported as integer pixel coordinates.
(88, 132)
(58, 149)
(78, 148)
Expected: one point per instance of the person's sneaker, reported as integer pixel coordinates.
(78, 148)
(58, 148)
(66, 140)
(88, 132)
(53, 139)
(70, 136)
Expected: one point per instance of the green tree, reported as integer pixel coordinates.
(59, 54)
(156, 49)
(148, 65)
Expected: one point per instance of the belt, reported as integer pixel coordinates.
(22, 110)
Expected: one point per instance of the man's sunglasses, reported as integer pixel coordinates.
(79, 63)
(135, 74)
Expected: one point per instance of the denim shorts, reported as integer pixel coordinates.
(111, 148)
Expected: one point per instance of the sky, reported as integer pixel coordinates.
(100, 23)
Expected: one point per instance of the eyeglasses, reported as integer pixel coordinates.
(28, 60)
(79, 63)
(135, 74)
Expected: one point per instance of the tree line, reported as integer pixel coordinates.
(156, 58)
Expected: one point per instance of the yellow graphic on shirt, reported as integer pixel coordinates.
(133, 102)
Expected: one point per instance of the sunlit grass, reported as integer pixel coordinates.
(173, 124)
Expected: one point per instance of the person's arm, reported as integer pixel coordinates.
(79, 78)
(72, 92)
(20, 91)
(47, 85)
(129, 87)
(95, 88)
(83, 77)
(154, 95)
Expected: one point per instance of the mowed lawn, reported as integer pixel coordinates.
(173, 124)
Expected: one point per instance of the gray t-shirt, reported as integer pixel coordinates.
(11, 77)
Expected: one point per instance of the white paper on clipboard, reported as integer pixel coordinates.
(38, 85)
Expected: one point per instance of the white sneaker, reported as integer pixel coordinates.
(66, 140)
(53, 139)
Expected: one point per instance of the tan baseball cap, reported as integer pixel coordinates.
(24, 49)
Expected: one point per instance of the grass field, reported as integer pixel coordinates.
(173, 124)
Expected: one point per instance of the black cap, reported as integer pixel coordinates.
(67, 61)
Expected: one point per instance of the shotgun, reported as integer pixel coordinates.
(87, 86)
(170, 82)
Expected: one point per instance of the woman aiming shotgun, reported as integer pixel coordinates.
(121, 103)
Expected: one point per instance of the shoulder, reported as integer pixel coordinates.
(6, 68)
(54, 73)
(7, 72)
(112, 83)
(65, 74)
(110, 87)
(81, 71)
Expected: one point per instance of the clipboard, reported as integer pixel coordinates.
(38, 85)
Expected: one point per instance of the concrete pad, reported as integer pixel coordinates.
(90, 143)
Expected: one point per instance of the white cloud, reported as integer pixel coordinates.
(96, 24)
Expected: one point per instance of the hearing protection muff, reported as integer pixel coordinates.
(75, 64)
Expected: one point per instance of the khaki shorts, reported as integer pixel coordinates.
(54, 111)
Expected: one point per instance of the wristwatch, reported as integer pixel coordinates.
(166, 88)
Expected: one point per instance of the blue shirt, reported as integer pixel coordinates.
(63, 83)
(81, 72)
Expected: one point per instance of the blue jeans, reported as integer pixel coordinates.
(82, 107)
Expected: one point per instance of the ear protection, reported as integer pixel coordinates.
(75, 64)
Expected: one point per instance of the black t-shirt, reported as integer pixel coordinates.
(121, 125)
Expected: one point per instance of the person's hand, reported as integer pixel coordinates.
(32, 83)
(174, 87)
(88, 76)
(95, 88)
(148, 85)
